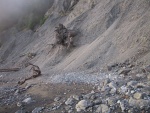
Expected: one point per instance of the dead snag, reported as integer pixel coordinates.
(35, 73)
(64, 36)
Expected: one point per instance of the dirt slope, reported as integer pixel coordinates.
(109, 31)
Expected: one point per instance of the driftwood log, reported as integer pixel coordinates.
(35, 73)
(9, 70)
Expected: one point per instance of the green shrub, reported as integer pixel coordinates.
(42, 21)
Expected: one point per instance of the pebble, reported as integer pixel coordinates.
(17, 92)
(132, 83)
(57, 99)
(102, 109)
(76, 97)
(123, 89)
(70, 101)
(19, 104)
(82, 105)
(132, 91)
(123, 104)
(87, 96)
(21, 111)
(67, 108)
(28, 86)
(112, 85)
(38, 110)
(113, 91)
(97, 101)
(111, 101)
(70, 111)
(27, 100)
(137, 95)
(124, 71)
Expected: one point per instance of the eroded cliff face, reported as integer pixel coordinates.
(109, 31)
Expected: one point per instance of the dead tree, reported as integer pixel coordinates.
(35, 73)
(64, 36)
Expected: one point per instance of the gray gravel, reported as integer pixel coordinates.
(81, 77)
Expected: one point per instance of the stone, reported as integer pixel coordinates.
(148, 77)
(38, 110)
(76, 97)
(17, 92)
(70, 111)
(113, 91)
(106, 81)
(112, 85)
(28, 86)
(111, 101)
(123, 89)
(123, 105)
(141, 75)
(87, 96)
(99, 88)
(97, 101)
(20, 104)
(137, 95)
(147, 68)
(138, 103)
(93, 97)
(57, 99)
(124, 71)
(82, 105)
(70, 101)
(102, 109)
(106, 89)
(67, 108)
(132, 83)
(90, 109)
(132, 91)
(21, 111)
(27, 100)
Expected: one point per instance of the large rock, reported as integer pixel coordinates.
(82, 105)
(138, 103)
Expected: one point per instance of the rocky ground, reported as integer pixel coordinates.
(126, 91)
(108, 70)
